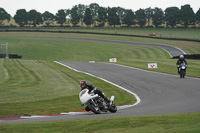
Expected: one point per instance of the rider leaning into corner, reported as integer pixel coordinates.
(180, 61)
(90, 87)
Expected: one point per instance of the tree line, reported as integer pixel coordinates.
(97, 16)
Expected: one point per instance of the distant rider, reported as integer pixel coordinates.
(180, 61)
(90, 87)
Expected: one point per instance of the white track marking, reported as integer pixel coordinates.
(120, 107)
(181, 50)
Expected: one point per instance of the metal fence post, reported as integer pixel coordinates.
(7, 57)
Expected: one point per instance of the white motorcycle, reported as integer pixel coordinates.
(182, 70)
(96, 103)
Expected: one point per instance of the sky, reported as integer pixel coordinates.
(11, 6)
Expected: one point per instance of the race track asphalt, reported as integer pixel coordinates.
(159, 93)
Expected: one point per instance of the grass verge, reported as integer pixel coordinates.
(188, 47)
(162, 32)
(176, 123)
(33, 87)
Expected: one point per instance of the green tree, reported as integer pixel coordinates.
(102, 16)
(4, 16)
(172, 16)
(198, 17)
(34, 17)
(187, 15)
(87, 17)
(61, 17)
(141, 17)
(21, 17)
(48, 18)
(120, 13)
(81, 12)
(113, 18)
(149, 13)
(157, 17)
(68, 13)
(94, 7)
(75, 18)
(129, 18)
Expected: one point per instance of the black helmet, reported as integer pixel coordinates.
(83, 84)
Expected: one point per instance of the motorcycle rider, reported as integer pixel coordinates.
(180, 61)
(84, 85)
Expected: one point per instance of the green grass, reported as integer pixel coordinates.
(84, 51)
(74, 50)
(176, 123)
(188, 47)
(31, 87)
(164, 32)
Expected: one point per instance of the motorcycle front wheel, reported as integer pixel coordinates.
(93, 108)
(182, 74)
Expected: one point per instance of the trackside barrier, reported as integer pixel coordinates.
(152, 65)
(113, 60)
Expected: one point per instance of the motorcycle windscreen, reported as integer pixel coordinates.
(82, 92)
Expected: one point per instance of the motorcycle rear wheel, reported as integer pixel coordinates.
(113, 108)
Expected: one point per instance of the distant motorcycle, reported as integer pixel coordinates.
(182, 70)
(96, 103)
